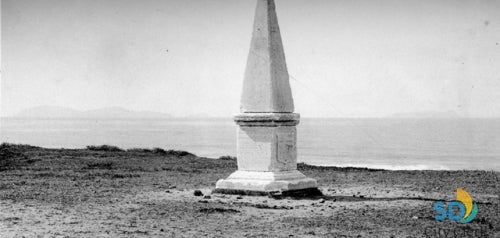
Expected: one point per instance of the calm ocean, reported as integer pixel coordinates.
(375, 143)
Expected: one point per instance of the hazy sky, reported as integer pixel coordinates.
(347, 58)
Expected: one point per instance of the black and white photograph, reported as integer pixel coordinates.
(250, 118)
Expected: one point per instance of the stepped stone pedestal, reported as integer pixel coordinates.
(267, 134)
(267, 155)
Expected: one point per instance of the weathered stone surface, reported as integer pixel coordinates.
(267, 148)
(266, 181)
(266, 85)
(312, 192)
(267, 119)
(267, 134)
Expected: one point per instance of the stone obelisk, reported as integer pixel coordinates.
(267, 135)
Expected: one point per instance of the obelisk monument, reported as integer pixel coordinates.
(267, 134)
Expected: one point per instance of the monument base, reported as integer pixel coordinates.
(292, 183)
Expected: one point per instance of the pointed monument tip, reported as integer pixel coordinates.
(266, 87)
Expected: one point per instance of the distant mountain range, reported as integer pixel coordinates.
(109, 112)
(118, 112)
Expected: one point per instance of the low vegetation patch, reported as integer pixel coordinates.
(179, 153)
(159, 151)
(12, 156)
(8, 152)
(140, 150)
(106, 148)
(227, 157)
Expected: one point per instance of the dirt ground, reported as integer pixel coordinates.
(100, 192)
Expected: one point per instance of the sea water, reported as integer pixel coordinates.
(375, 143)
